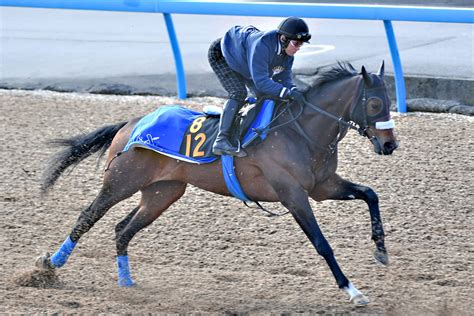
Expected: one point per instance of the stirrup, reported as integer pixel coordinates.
(240, 152)
(231, 150)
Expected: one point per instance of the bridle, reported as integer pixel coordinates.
(358, 109)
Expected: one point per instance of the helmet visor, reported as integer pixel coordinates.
(304, 37)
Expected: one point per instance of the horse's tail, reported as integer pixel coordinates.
(76, 149)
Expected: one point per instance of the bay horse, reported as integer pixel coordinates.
(297, 161)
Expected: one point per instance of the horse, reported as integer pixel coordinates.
(297, 161)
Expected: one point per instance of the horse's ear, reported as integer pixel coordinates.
(381, 70)
(365, 75)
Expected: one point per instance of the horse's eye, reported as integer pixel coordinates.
(374, 106)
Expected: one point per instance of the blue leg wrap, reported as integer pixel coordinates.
(59, 258)
(124, 278)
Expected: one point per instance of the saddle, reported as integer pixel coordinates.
(188, 135)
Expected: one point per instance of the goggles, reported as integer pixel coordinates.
(296, 43)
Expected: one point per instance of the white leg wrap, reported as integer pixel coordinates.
(352, 291)
(356, 297)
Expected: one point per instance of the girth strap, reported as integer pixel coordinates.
(230, 178)
(234, 187)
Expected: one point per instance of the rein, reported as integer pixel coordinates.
(331, 147)
(342, 124)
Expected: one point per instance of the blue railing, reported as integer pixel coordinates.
(384, 13)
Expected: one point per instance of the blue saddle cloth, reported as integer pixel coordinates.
(164, 131)
(188, 135)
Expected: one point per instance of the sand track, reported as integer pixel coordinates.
(211, 254)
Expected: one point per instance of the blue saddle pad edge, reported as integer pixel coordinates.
(262, 120)
(172, 154)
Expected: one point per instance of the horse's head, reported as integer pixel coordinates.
(372, 113)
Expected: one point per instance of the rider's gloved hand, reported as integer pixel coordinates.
(297, 96)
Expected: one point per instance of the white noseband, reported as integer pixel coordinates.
(385, 125)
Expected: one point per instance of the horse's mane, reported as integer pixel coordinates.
(343, 69)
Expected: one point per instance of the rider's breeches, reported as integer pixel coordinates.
(232, 81)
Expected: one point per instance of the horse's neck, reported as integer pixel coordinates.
(337, 98)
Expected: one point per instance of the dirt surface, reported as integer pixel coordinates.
(211, 254)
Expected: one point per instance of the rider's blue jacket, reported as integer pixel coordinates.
(260, 57)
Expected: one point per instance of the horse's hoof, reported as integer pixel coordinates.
(360, 300)
(381, 256)
(126, 283)
(43, 262)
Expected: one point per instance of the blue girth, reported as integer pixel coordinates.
(231, 180)
(257, 130)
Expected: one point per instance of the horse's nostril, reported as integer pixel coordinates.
(390, 147)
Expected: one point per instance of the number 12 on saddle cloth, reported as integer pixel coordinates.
(199, 137)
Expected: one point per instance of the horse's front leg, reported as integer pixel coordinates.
(336, 188)
(295, 199)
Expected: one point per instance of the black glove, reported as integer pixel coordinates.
(297, 96)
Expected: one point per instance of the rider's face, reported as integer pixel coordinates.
(293, 47)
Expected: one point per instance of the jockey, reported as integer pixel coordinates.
(261, 61)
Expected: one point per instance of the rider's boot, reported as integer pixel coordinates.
(222, 145)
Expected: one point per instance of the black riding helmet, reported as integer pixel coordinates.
(294, 29)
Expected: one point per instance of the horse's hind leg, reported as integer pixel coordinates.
(336, 188)
(88, 217)
(156, 198)
(120, 226)
(113, 191)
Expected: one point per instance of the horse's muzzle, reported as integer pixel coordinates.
(384, 141)
(386, 149)
(389, 147)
